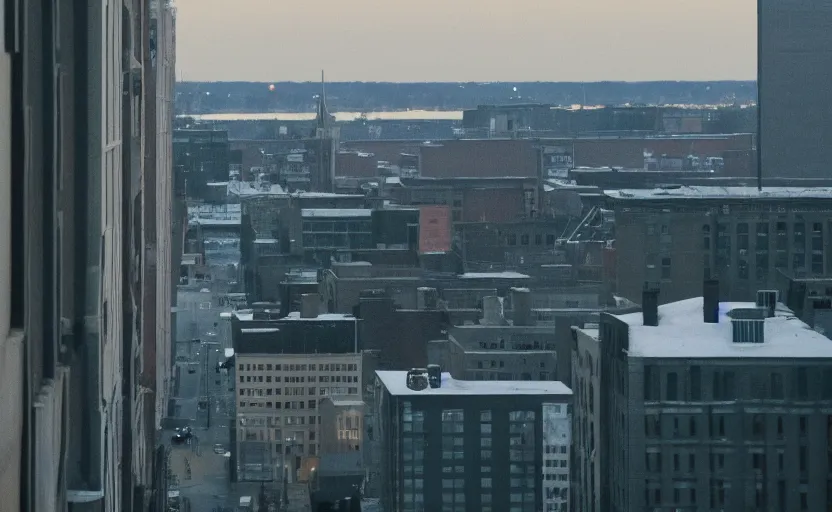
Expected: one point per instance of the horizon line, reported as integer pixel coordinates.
(473, 82)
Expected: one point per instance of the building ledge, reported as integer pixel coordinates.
(84, 496)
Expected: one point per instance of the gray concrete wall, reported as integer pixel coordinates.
(794, 70)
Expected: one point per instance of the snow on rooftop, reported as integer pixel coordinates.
(335, 212)
(244, 314)
(396, 384)
(248, 188)
(682, 333)
(260, 330)
(295, 315)
(213, 222)
(493, 275)
(705, 192)
(347, 403)
(265, 241)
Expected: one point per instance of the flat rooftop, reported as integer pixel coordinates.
(247, 315)
(683, 334)
(396, 384)
(702, 192)
(493, 275)
(329, 213)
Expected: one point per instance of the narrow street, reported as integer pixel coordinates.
(202, 398)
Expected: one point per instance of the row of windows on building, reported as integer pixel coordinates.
(325, 226)
(526, 239)
(298, 367)
(247, 379)
(684, 494)
(775, 385)
(278, 421)
(751, 426)
(684, 461)
(294, 391)
(296, 404)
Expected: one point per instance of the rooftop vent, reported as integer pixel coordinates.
(434, 376)
(748, 325)
(417, 379)
(767, 299)
(650, 304)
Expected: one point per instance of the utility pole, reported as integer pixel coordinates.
(207, 386)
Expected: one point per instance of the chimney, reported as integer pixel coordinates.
(767, 299)
(710, 301)
(309, 305)
(650, 304)
(521, 300)
(426, 298)
(434, 376)
(492, 310)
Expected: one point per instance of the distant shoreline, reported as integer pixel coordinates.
(393, 115)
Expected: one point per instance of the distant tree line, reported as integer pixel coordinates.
(216, 97)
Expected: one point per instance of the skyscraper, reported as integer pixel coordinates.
(795, 68)
(72, 255)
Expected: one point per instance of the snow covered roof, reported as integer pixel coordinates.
(493, 275)
(295, 315)
(335, 212)
(703, 192)
(682, 333)
(396, 384)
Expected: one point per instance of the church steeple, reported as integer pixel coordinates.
(323, 117)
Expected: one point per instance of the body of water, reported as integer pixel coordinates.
(404, 115)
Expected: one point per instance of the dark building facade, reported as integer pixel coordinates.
(795, 58)
(679, 235)
(202, 156)
(472, 446)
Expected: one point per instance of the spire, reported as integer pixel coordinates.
(323, 117)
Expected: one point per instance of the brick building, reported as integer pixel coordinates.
(679, 235)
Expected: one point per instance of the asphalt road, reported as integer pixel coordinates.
(202, 475)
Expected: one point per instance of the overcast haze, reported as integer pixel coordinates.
(466, 40)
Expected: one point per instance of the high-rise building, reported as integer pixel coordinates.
(708, 405)
(72, 168)
(795, 59)
(482, 446)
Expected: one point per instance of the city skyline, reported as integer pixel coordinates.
(647, 40)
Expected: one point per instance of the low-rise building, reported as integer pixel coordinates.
(342, 424)
(449, 444)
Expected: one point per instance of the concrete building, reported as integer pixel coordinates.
(70, 348)
(449, 444)
(679, 235)
(284, 367)
(586, 427)
(342, 425)
(793, 63)
(810, 298)
(713, 405)
(502, 347)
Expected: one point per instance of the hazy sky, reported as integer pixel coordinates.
(466, 40)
